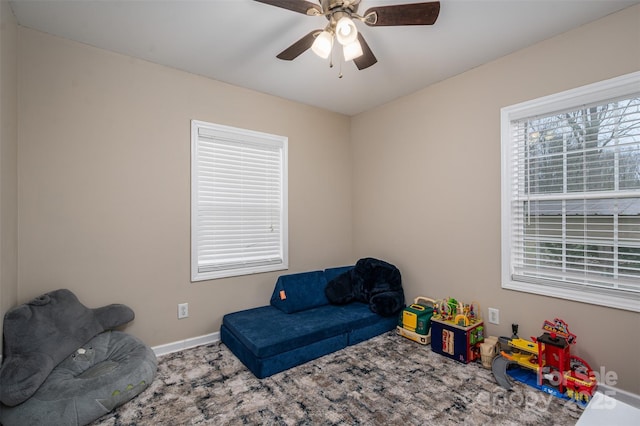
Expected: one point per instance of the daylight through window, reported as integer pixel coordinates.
(571, 194)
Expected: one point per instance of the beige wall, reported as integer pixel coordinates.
(8, 160)
(104, 172)
(427, 185)
(103, 196)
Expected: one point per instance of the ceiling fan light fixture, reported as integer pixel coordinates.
(322, 44)
(352, 51)
(342, 15)
(346, 31)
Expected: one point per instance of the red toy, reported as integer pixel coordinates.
(557, 371)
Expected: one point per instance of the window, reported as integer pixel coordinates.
(238, 202)
(571, 194)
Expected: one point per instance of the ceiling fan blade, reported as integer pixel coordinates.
(299, 47)
(403, 14)
(300, 6)
(367, 58)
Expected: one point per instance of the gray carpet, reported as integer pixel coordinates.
(388, 380)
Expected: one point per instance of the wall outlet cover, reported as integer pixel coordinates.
(494, 316)
(183, 310)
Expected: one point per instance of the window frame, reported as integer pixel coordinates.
(625, 85)
(242, 136)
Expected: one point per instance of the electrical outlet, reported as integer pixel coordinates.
(494, 316)
(183, 310)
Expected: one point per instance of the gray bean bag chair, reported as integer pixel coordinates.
(61, 365)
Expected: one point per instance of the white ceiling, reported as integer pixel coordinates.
(236, 41)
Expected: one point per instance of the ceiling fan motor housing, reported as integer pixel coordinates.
(346, 6)
(336, 9)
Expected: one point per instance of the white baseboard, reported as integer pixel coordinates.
(621, 395)
(192, 342)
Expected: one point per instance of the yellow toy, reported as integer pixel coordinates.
(415, 320)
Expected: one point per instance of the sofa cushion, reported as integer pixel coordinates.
(298, 292)
(267, 331)
(264, 367)
(332, 273)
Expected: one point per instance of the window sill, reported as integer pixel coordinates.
(213, 275)
(627, 302)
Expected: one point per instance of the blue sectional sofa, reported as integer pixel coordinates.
(299, 325)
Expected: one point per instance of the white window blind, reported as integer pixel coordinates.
(239, 194)
(571, 195)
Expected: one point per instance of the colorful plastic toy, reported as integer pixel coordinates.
(458, 313)
(414, 321)
(546, 363)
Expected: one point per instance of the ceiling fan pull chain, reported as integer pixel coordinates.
(331, 54)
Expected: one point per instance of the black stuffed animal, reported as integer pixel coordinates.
(371, 281)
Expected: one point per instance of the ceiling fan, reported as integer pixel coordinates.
(341, 15)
